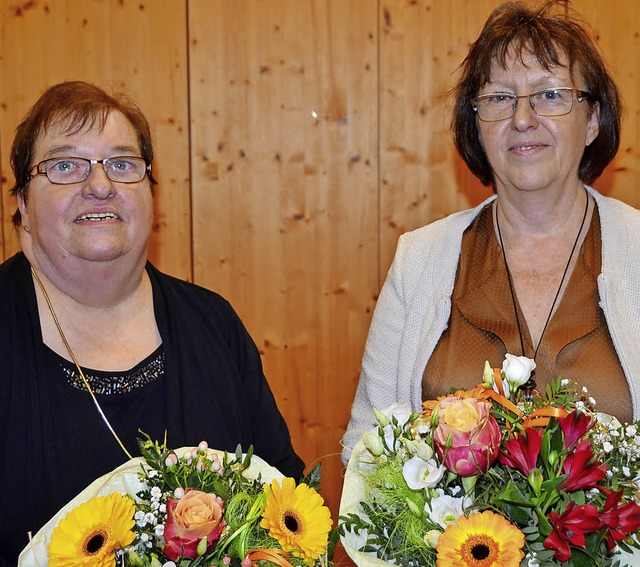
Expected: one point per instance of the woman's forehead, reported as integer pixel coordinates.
(525, 63)
(114, 126)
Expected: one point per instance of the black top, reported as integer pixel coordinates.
(53, 442)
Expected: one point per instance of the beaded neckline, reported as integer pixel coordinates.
(110, 383)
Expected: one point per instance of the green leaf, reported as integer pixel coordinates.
(312, 479)
(513, 495)
(543, 523)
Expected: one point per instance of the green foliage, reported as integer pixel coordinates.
(244, 501)
(392, 516)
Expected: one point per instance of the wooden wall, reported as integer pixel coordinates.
(296, 140)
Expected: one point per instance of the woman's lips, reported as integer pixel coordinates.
(97, 217)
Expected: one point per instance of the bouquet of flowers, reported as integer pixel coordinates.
(190, 507)
(490, 477)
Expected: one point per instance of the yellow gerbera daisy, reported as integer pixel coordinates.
(296, 517)
(90, 533)
(481, 540)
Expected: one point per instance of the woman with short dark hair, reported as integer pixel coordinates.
(547, 268)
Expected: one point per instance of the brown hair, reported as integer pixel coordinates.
(77, 105)
(548, 34)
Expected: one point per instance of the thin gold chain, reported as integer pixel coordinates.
(75, 361)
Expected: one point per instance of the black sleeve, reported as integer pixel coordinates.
(219, 392)
(270, 434)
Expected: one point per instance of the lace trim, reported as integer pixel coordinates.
(106, 383)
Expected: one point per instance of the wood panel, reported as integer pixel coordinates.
(284, 141)
(134, 46)
(422, 43)
(316, 132)
(616, 25)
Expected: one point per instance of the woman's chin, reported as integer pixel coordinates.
(104, 252)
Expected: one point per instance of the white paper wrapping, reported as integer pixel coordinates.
(124, 479)
(352, 494)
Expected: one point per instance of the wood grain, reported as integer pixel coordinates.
(296, 140)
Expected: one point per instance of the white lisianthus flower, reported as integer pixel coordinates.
(421, 474)
(431, 538)
(444, 509)
(402, 412)
(399, 410)
(421, 449)
(516, 371)
(488, 380)
(373, 443)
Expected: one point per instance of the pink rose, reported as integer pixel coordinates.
(195, 516)
(467, 436)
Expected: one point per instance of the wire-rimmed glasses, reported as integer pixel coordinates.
(67, 170)
(555, 101)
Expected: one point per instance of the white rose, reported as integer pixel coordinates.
(516, 371)
(421, 474)
(401, 411)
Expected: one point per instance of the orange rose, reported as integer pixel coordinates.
(467, 436)
(195, 516)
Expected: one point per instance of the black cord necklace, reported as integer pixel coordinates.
(530, 385)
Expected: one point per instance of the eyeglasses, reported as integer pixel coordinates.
(67, 170)
(558, 101)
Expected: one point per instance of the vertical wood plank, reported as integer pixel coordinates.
(422, 43)
(318, 133)
(283, 102)
(138, 47)
(616, 25)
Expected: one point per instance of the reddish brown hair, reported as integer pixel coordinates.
(549, 32)
(76, 105)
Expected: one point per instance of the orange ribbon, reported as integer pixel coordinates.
(537, 418)
(275, 556)
(542, 416)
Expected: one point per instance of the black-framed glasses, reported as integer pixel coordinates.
(67, 170)
(556, 101)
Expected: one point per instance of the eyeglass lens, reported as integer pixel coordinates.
(123, 169)
(550, 102)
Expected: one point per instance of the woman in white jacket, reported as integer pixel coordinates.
(548, 268)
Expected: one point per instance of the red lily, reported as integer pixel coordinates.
(574, 426)
(522, 452)
(584, 472)
(619, 521)
(570, 527)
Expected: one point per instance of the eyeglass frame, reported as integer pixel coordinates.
(40, 171)
(581, 96)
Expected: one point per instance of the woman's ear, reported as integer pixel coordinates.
(24, 214)
(593, 126)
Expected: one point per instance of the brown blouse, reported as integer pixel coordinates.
(482, 326)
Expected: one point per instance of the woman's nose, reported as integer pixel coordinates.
(97, 184)
(524, 115)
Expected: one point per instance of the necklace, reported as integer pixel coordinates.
(75, 361)
(530, 385)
